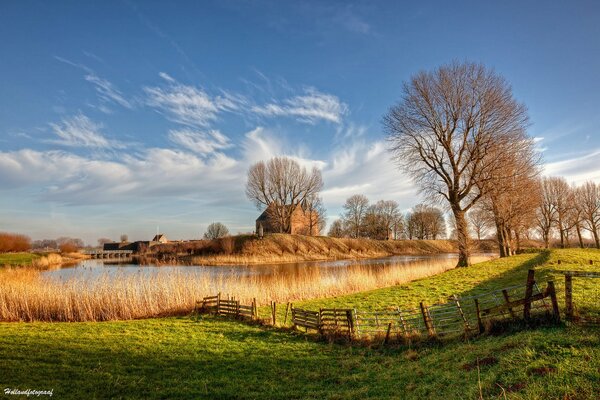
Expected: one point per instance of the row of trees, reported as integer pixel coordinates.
(384, 220)
(568, 210)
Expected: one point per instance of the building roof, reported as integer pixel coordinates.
(158, 238)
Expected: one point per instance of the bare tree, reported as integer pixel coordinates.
(281, 185)
(425, 222)
(546, 211)
(355, 209)
(316, 214)
(562, 200)
(337, 229)
(444, 129)
(480, 221)
(512, 195)
(588, 201)
(216, 230)
(102, 241)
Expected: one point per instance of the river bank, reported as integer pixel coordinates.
(282, 248)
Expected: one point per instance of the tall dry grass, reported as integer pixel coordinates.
(26, 295)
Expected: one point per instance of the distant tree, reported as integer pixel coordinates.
(124, 238)
(69, 245)
(561, 197)
(588, 201)
(355, 209)
(102, 241)
(545, 216)
(316, 214)
(480, 221)
(425, 222)
(44, 244)
(216, 230)
(283, 183)
(451, 131)
(337, 229)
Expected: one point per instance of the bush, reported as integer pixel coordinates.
(12, 242)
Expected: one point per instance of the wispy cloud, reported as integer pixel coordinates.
(107, 91)
(189, 105)
(578, 169)
(310, 107)
(80, 131)
(203, 143)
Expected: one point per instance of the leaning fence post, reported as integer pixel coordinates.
(387, 335)
(528, 294)
(287, 307)
(427, 319)
(479, 320)
(552, 292)
(507, 299)
(462, 314)
(569, 296)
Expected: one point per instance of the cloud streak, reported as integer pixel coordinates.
(80, 131)
(310, 107)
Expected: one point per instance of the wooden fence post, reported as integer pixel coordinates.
(569, 296)
(273, 312)
(528, 294)
(427, 319)
(350, 319)
(479, 320)
(552, 292)
(462, 314)
(507, 299)
(218, 302)
(254, 310)
(287, 307)
(387, 335)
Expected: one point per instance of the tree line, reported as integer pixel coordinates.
(384, 220)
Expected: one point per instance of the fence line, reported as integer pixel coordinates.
(460, 316)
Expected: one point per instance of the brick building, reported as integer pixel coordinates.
(302, 221)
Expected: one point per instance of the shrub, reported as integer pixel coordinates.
(10, 242)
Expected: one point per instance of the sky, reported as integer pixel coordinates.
(124, 116)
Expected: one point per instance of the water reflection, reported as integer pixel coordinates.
(91, 270)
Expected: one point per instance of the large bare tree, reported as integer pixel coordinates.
(444, 129)
(281, 185)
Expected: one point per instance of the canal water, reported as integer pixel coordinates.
(413, 266)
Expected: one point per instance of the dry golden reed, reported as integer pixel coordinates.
(26, 295)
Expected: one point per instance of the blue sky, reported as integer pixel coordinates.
(119, 116)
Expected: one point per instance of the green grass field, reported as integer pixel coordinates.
(209, 357)
(18, 258)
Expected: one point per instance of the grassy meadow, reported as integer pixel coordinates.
(210, 357)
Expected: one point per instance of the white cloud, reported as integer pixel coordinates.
(199, 142)
(577, 169)
(310, 107)
(80, 131)
(107, 91)
(189, 105)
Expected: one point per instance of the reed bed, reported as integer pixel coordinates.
(27, 295)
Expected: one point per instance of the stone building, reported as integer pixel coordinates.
(302, 221)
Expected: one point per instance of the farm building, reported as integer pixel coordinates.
(302, 221)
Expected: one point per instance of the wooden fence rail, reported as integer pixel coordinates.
(459, 316)
(571, 313)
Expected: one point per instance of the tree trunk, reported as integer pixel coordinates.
(596, 238)
(579, 235)
(501, 239)
(462, 234)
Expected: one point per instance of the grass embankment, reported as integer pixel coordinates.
(30, 260)
(212, 358)
(280, 248)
